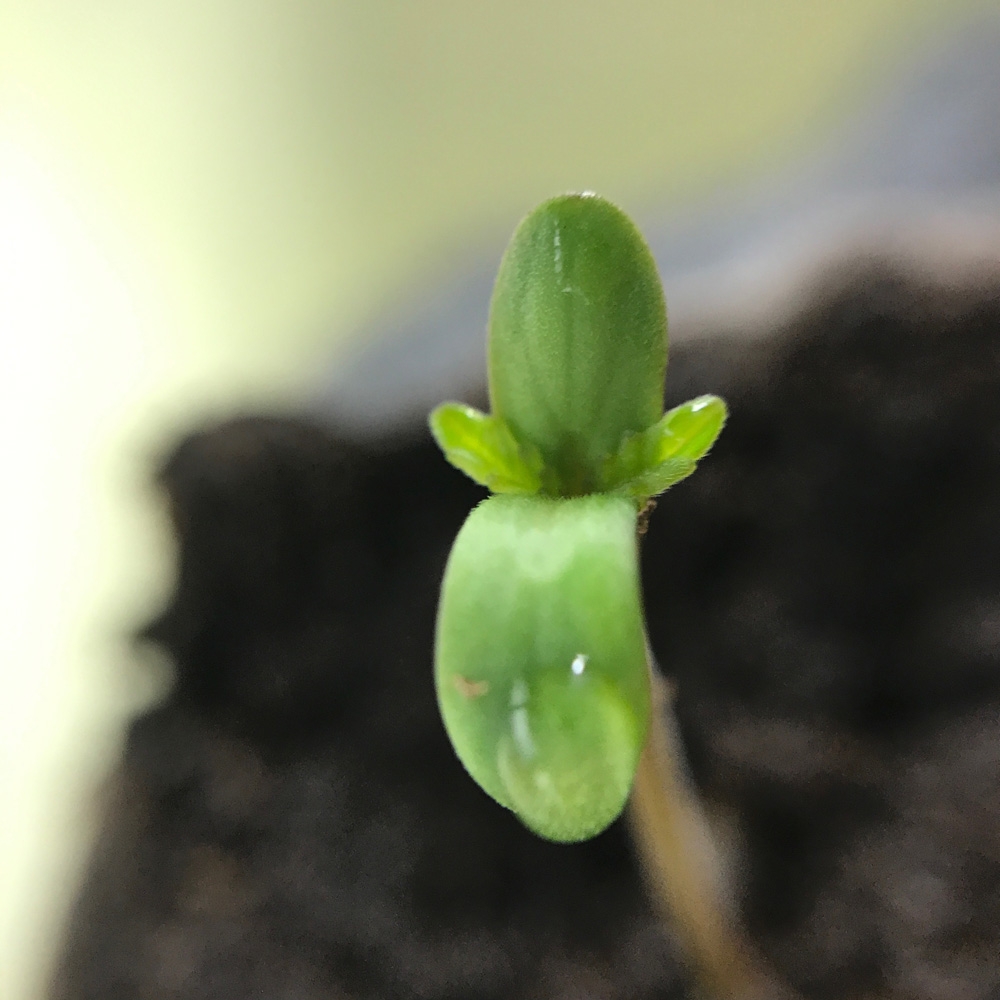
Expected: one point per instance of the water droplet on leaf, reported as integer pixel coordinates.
(568, 761)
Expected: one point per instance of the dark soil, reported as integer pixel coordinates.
(292, 824)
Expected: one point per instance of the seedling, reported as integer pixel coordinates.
(543, 672)
(541, 664)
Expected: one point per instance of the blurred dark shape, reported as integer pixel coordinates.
(825, 590)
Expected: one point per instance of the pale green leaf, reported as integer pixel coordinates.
(650, 462)
(484, 449)
(540, 662)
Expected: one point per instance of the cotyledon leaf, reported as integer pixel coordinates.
(540, 663)
(577, 337)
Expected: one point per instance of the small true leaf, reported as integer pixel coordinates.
(540, 663)
(577, 337)
(650, 462)
(484, 449)
(688, 430)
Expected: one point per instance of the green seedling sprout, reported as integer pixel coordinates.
(543, 672)
(541, 665)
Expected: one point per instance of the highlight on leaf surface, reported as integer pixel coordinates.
(540, 664)
(577, 337)
(483, 447)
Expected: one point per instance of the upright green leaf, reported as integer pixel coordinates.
(578, 337)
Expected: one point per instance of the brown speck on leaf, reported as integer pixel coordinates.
(470, 689)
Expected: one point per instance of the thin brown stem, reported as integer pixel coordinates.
(682, 867)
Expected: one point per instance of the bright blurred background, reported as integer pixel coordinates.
(199, 204)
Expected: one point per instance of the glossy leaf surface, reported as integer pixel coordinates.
(540, 663)
(577, 337)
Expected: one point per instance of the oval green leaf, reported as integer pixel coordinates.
(540, 663)
(578, 337)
